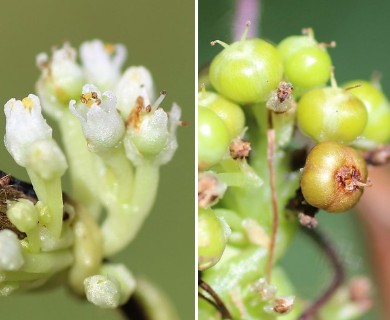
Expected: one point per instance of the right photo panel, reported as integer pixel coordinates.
(293, 151)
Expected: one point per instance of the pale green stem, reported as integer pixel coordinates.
(47, 262)
(117, 180)
(34, 241)
(48, 243)
(20, 276)
(49, 192)
(87, 250)
(123, 222)
(82, 163)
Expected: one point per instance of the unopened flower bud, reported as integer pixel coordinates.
(102, 63)
(101, 291)
(102, 125)
(123, 277)
(11, 257)
(22, 214)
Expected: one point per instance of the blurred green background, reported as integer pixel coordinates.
(361, 30)
(160, 36)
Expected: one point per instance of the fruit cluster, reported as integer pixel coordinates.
(260, 108)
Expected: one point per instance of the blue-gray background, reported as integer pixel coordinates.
(362, 32)
(159, 35)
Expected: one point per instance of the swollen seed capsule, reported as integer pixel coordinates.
(333, 177)
(212, 238)
(291, 45)
(213, 138)
(308, 68)
(306, 62)
(331, 114)
(231, 113)
(378, 108)
(246, 71)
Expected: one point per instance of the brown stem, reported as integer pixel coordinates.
(218, 302)
(328, 249)
(274, 201)
(201, 295)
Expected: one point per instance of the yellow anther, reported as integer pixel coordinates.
(90, 98)
(110, 48)
(28, 103)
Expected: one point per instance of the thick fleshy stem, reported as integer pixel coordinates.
(328, 249)
(218, 302)
(274, 200)
(50, 193)
(246, 10)
(121, 227)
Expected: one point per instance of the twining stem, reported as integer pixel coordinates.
(201, 295)
(328, 249)
(217, 300)
(274, 200)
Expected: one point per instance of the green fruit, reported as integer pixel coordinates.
(378, 124)
(231, 113)
(212, 238)
(333, 177)
(291, 45)
(246, 71)
(331, 114)
(213, 138)
(309, 67)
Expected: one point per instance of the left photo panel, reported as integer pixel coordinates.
(97, 166)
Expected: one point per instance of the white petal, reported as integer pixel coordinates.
(101, 66)
(135, 82)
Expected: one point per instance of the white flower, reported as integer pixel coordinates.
(28, 138)
(134, 82)
(102, 125)
(151, 133)
(11, 257)
(102, 62)
(61, 76)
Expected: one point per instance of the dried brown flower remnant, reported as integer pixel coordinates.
(281, 99)
(281, 305)
(239, 149)
(134, 118)
(307, 220)
(379, 156)
(359, 291)
(210, 189)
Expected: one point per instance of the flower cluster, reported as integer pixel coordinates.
(115, 141)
